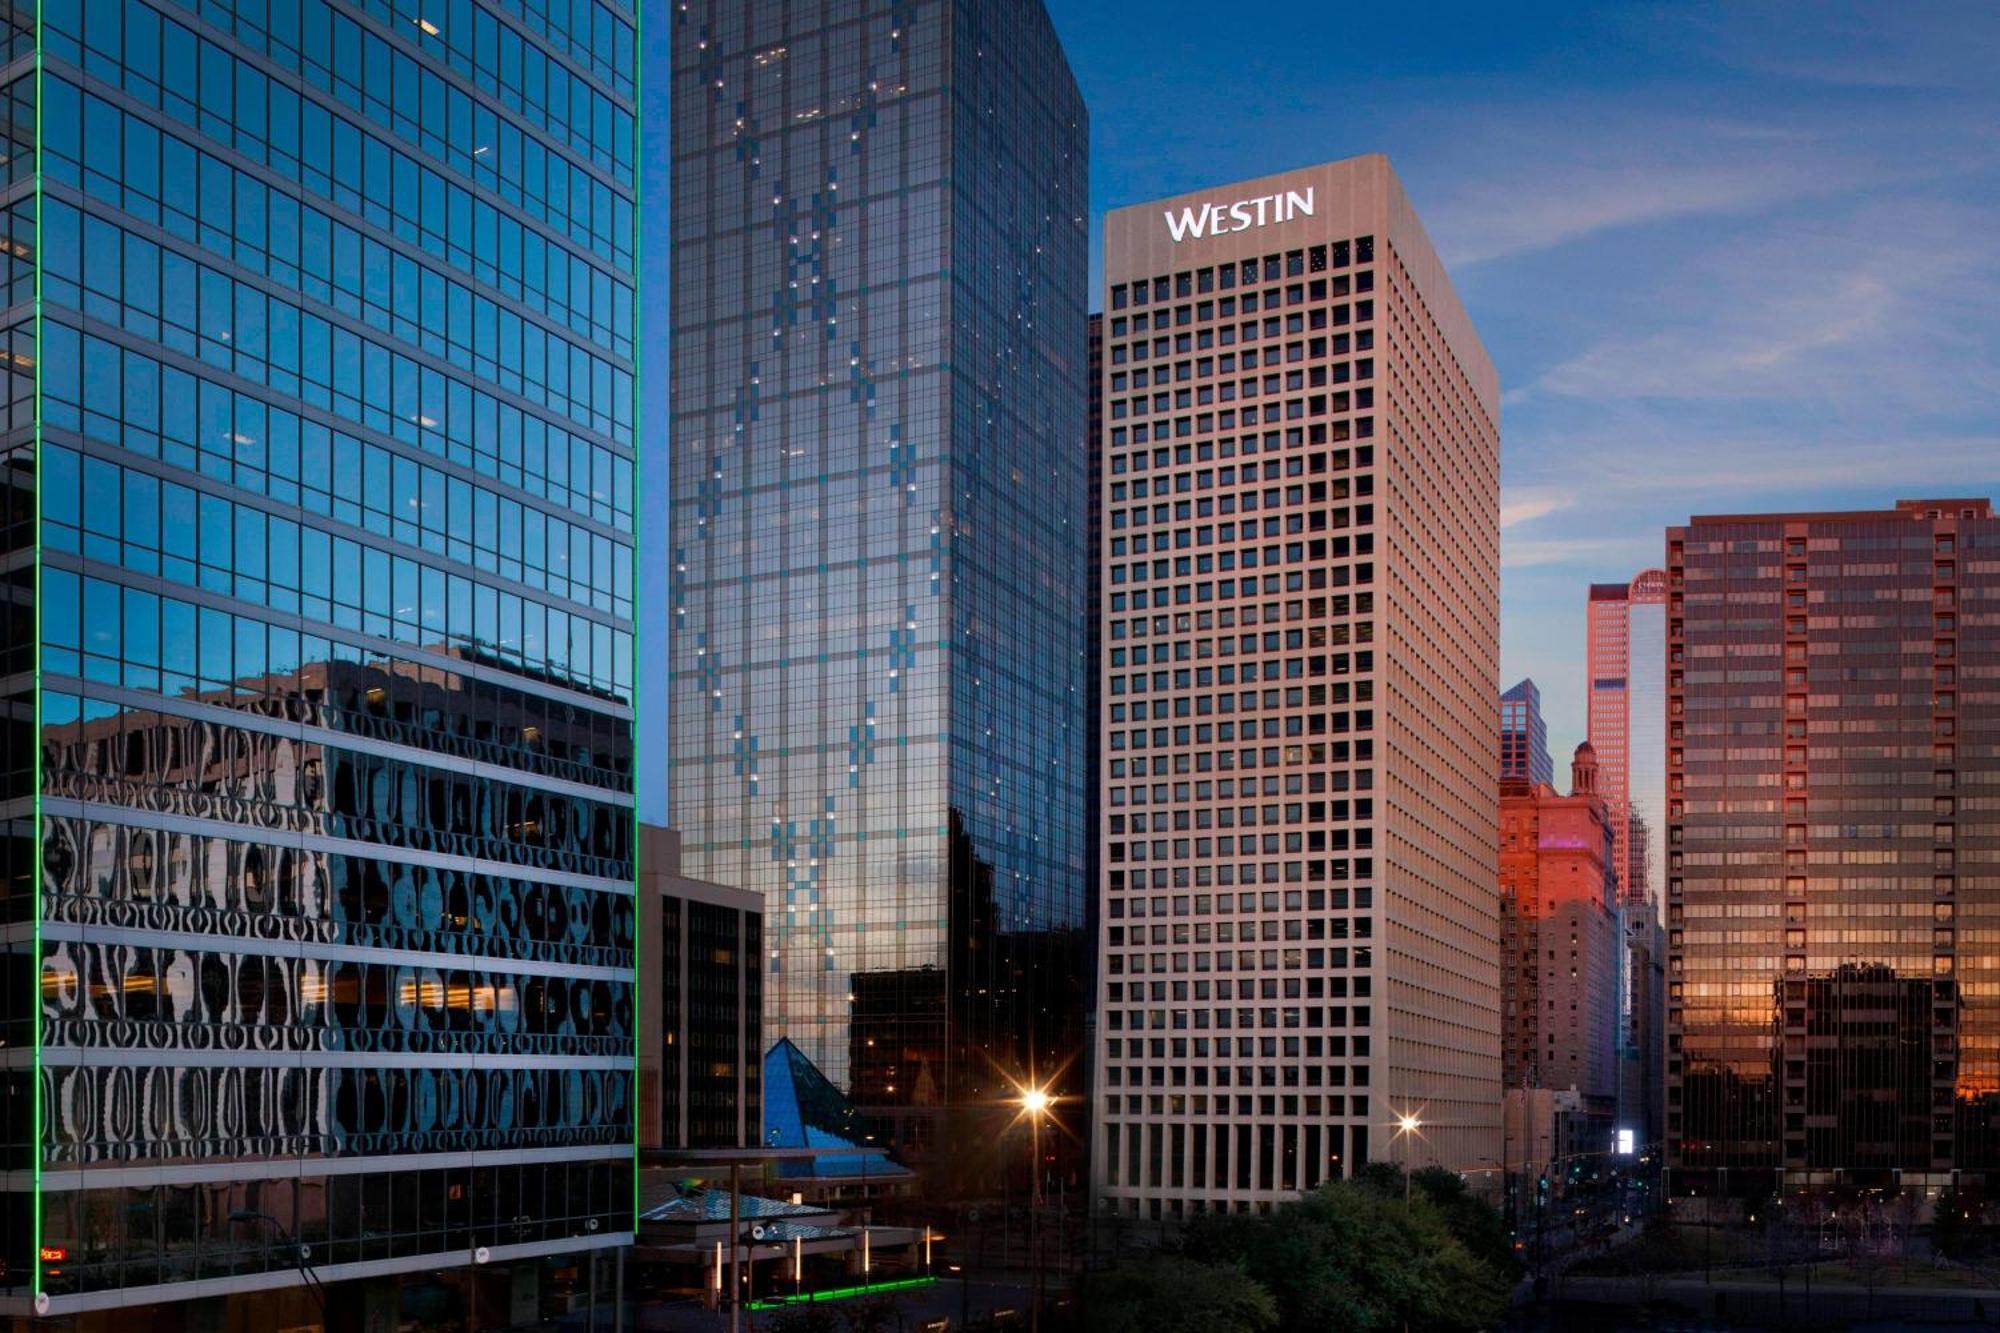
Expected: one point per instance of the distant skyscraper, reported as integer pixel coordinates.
(1560, 945)
(879, 527)
(1524, 736)
(1300, 933)
(1626, 655)
(317, 779)
(1626, 721)
(1833, 704)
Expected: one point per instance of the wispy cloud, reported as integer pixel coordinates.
(1855, 313)
(1553, 203)
(1517, 506)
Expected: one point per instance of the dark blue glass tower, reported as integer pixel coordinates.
(317, 544)
(879, 527)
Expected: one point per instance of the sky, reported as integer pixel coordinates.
(1727, 257)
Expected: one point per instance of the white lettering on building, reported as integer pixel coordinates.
(1241, 215)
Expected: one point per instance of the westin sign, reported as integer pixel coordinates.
(1242, 215)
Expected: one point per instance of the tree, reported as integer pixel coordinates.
(870, 1314)
(1347, 1256)
(1477, 1224)
(1165, 1293)
(801, 1319)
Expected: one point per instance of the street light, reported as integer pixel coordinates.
(1034, 1103)
(1407, 1125)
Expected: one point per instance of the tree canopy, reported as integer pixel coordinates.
(1166, 1293)
(1351, 1255)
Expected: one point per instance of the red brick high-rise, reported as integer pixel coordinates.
(1560, 944)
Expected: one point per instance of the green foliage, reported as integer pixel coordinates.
(1166, 1293)
(1350, 1255)
(801, 1319)
(1477, 1224)
(870, 1314)
(863, 1314)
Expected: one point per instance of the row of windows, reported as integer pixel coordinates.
(335, 157)
(1271, 268)
(1182, 875)
(1250, 1019)
(207, 542)
(132, 518)
(196, 195)
(209, 770)
(1186, 372)
(150, 642)
(112, 1238)
(199, 198)
(95, 873)
(1180, 1048)
(198, 425)
(323, 1004)
(1317, 405)
(1298, 293)
(392, 87)
(1227, 335)
(163, 297)
(1226, 788)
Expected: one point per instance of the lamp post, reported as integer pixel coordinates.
(1035, 1105)
(1407, 1125)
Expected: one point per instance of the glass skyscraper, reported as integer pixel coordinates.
(879, 526)
(1833, 994)
(317, 662)
(1626, 657)
(1524, 735)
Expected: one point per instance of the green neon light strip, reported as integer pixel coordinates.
(35, 963)
(842, 1293)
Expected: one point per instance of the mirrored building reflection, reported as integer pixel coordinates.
(879, 529)
(317, 771)
(1831, 724)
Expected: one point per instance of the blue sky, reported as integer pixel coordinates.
(1727, 257)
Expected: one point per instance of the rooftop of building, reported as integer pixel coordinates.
(1919, 510)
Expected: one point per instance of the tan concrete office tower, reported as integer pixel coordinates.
(1299, 629)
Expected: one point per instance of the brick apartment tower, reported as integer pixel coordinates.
(1833, 844)
(1560, 942)
(1300, 927)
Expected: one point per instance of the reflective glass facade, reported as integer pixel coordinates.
(318, 539)
(1524, 736)
(1833, 730)
(879, 525)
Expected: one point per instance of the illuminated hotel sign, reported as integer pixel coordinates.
(1242, 215)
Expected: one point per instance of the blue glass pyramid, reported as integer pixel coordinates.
(803, 1110)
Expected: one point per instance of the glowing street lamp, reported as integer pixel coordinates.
(1407, 1125)
(1034, 1103)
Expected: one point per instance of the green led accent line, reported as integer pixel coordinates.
(842, 1293)
(34, 970)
